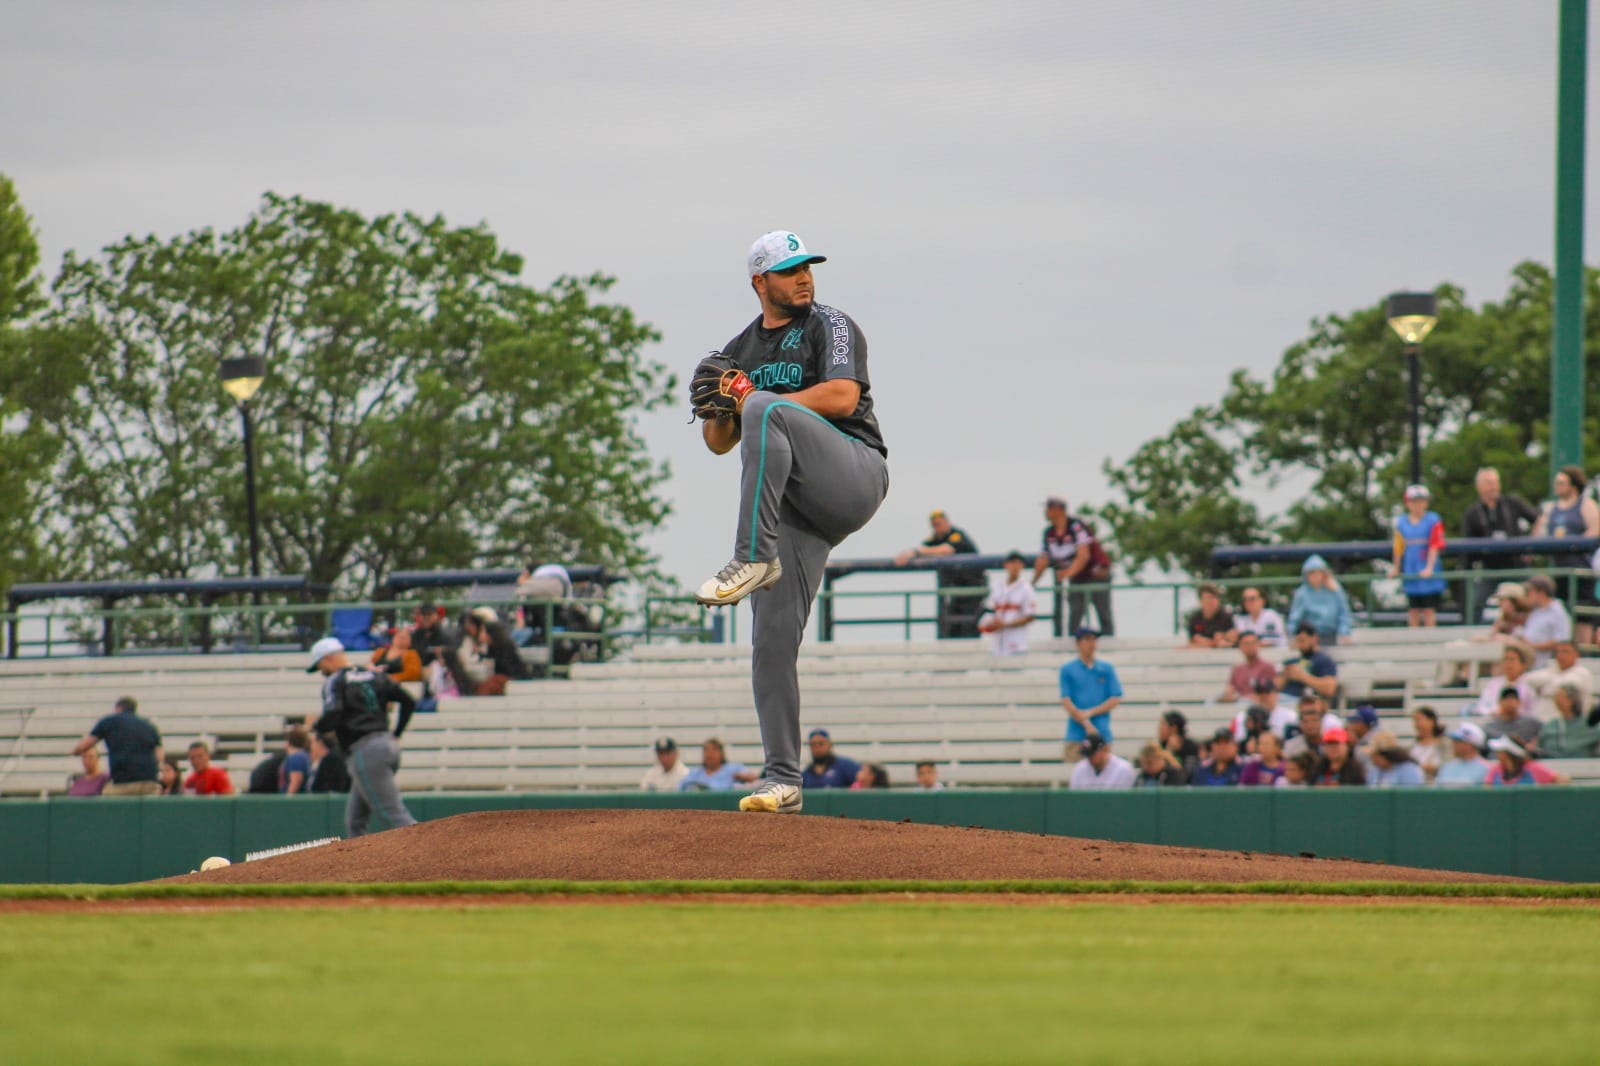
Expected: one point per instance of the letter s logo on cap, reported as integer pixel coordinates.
(794, 243)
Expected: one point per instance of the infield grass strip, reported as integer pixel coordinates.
(926, 982)
(1404, 889)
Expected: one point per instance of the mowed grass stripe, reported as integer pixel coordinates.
(932, 982)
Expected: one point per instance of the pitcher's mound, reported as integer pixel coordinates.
(639, 845)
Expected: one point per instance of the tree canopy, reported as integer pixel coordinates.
(1333, 417)
(423, 406)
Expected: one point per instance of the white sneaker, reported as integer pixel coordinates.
(773, 797)
(736, 581)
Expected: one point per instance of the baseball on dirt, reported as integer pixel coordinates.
(216, 862)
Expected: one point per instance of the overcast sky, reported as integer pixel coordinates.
(1060, 225)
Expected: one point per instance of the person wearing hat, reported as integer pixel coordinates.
(1516, 766)
(1075, 555)
(1090, 691)
(958, 614)
(1010, 609)
(1337, 765)
(1361, 724)
(1320, 603)
(828, 768)
(1390, 764)
(667, 772)
(355, 714)
(1418, 541)
(1495, 516)
(1100, 768)
(1466, 767)
(1223, 768)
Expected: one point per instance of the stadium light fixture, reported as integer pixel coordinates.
(1412, 315)
(243, 376)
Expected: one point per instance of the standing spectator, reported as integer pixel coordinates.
(958, 611)
(1100, 769)
(828, 768)
(1266, 765)
(667, 772)
(1418, 540)
(1223, 767)
(1566, 670)
(1090, 691)
(1509, 721)
(1077, 558)
(1514, 663)
(1310, 669)
(294, 776)
(1466, 767)
(1430, 748)
(1010, 609)
(1569, 735)
(1494, 517)
(715, 773)
(1338, 765)
(1516, 767)
(1261, 620)
(1172, 733)
(205, 779)
(1158, 768)
(1571, 514)
(871, 775)
(928, 776)
(328, 771)
(1548, 622)
(1250, 669)
(134, 747)
(1211, 625)
(1320, 603)
(93, 780)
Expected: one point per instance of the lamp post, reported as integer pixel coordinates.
(242, 377)
(1412, 315)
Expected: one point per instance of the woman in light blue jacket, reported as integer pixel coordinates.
(1320, 601)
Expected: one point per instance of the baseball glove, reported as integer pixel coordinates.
(718, 388)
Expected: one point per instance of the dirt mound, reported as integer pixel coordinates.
(636, 845)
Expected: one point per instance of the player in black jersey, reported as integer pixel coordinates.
(355, 712)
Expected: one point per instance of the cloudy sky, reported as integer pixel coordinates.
(1059, 224)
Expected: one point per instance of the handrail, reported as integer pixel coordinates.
(1361, 550)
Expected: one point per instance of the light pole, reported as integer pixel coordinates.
(1412, 315)
(242, 377)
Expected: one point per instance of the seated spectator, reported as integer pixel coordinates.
(486, 659)
(1265, 708)
(1338, 766)
(294, 776)
(928, 776)
(1312, 721)
(715, 773)
(667, 772)
(205, 779)
(1298, 771)
(1223, 767)
(1565, 670)
(398, 658)
(1172, 733)
(1514, 663)
(1511, 612)
(431, 633)
(1250, 669)
(1361, 725)
(1517, 767)
(1211, 625)
(1391, 764)
(93, 780)
(1466, 767)
(1569, 735)
(1509, 721)
(828, 768)
(1548, 622)
(1266, 766)
(1418, 540)
(328, 771)
(1430, 748)
(871, 775)
(1310, 668)
(1158, 768)
(1098, 768)
(1263, 621)
(1248, 727)
(1320, 603)
(169, 775)
(264, 777)
(1010, 610)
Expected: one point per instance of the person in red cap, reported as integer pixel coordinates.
(1337, 766)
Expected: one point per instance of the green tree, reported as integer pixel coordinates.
(423, 406)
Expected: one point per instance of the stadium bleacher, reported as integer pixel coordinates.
(986, 721)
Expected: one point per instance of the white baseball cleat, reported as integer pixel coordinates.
(773, 797)
(736, 581)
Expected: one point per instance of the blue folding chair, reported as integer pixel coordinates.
(353, 627)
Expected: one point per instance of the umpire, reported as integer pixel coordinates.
(355, 712)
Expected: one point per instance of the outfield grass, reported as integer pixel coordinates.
(856, 981)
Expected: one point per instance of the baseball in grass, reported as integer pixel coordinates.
(216, 862)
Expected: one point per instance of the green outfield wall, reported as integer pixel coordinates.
(1532, 832)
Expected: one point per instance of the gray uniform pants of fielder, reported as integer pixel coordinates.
(374, 794)
(806, 486)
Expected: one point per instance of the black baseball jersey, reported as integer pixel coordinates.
(355, 704)
(823, 344)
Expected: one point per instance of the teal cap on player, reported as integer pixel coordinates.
(779, 250)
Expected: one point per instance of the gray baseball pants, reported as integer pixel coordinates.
(374, 794)
(805, 487)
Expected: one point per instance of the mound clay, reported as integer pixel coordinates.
(636, 845)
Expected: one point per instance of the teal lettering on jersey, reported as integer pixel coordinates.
(772, 375)
(792, 339)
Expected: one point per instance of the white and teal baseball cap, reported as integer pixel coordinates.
(779, 250)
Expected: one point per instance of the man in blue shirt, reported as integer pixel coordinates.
(1089, 692)
(828, 769)
(715, 773)
(134, 745)
(1223, 768)
(1310, 668)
